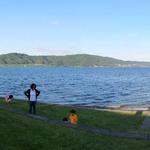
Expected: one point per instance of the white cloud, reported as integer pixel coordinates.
(45, 51)
(55, 22)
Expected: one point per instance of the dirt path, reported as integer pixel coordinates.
(146, 123)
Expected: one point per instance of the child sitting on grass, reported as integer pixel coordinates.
(73, 118)
(65, 119)
(8, 99)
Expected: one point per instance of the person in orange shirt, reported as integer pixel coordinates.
(73, 118)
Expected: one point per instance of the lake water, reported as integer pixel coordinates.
(79, 86)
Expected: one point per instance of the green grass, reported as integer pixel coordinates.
(122, 121)
(22, 133)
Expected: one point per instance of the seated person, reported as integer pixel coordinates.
(73, 118)
(65, 119)
(8, 99)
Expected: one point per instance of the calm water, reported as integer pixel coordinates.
(79, 86)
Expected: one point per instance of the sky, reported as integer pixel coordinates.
(114, 28)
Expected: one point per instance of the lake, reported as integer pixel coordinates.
(79, 86)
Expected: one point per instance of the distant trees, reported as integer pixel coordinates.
(80, 60)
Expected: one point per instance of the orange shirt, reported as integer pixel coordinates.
(73, 118)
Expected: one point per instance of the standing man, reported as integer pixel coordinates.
(32, 95)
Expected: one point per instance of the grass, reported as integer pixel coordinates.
(22, 133)
(121, 121)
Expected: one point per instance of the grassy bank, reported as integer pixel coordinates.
(22, 133)
(122, 121)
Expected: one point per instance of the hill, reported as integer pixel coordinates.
(79, 60)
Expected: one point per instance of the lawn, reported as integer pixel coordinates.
(22, 133)
(121, 121)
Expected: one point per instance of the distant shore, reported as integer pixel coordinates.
(76, 60)
(43, 65)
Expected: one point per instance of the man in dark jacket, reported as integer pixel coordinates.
(32, 95)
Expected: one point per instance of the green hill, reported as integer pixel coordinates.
(79, 60)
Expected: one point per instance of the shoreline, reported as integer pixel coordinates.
(113, 108)
(126, 107)
(51, 66)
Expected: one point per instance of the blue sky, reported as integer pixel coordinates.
(116, 28)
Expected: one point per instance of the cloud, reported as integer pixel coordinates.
(55, 22)
(45, 51)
